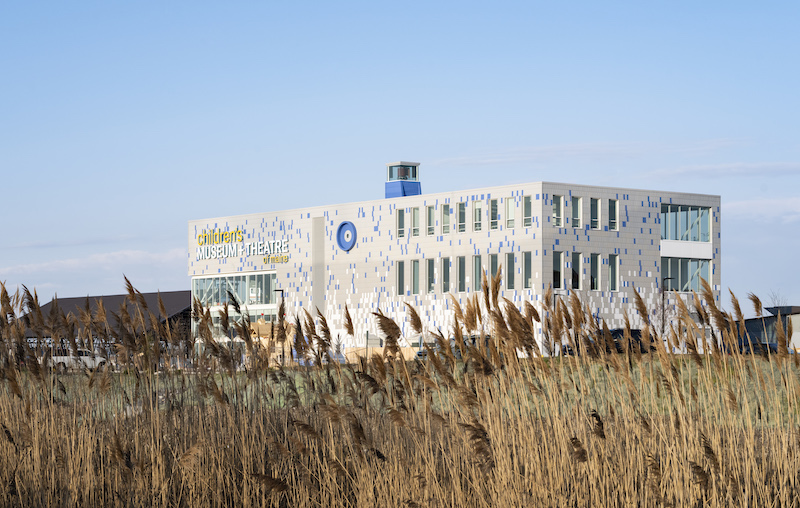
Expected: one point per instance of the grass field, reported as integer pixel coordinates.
(477, 427)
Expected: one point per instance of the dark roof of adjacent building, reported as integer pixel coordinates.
(785, 310)
(176, 303)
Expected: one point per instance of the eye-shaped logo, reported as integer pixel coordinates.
(346, 235)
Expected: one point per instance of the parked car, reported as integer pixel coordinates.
(63, 360)
(618, 338)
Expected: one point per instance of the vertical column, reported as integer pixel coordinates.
(318, 272)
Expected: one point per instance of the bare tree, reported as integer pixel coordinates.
(777, 299)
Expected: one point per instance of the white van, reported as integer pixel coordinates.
(61, 359)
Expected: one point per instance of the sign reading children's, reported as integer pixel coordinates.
(218, 244)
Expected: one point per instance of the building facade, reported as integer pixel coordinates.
(418, 248)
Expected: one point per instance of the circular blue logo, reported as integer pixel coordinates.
(346, 236)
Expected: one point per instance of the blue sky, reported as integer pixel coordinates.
(119, 122)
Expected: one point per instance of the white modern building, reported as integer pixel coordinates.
(418, 248)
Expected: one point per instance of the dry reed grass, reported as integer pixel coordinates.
(475, 426)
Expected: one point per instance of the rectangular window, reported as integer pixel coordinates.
(493, 214)
(685, 223)
(613, 214)
(613, 272)
(462, 217)
(445, 219)
(527, 270)
(401, 278)
(493, 265)
(431, 275)
(445, 275)
(415, 221)
(557, 210)
(527, 212)
(461, 267)
(476, 272)
(594, 207)
(594, 272)
(431, 220)
(684, 274)
(558, 268)
(577, 212)
(576, 270)
(511, 207)
(476, 215)
(510, 270)
(401, 223)
(415, 277)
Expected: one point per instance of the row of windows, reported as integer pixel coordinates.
(595, 212)
(576, 264)
(683, 274)
(480, 264)
(253, 289)
(462, 222)
(686, 223)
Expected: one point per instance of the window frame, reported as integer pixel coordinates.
(430, 211)
(430, 265)
(511, 207)
(401, 223)
(613, 215)
(558, 210)
(445, 275)
(577, 212)
(527, 270)
(527, 211)
(558, 269)
(594, 272)
(415, 276)
(594, 213)
(613, 272)
(510, 270)
(576, 258)
(494, 215)
(461, 273)
(415, 221)
(461, 217)
(400, 278)
(445, 219)
(477, 216)
(477, 271)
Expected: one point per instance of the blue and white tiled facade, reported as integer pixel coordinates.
(305, 252)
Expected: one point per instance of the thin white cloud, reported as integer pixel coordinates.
(780, 210)
(118, 260)
(591, 151)
(736, 169)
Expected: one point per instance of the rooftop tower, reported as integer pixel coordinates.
(402, 179)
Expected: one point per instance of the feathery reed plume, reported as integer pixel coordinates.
(471, 314)
(457, 312)
(531, 314)
(269, 483)
(757, 307)
(416, 322)
(348, 322)
(392, 333)
(324, 332)
(701, 477)
(598, 429)
(640, 306)
(780, 336)
(708, 451)
(654, 474)
(487, 297)
(190, 459)
(708, 296)
(578, 451)
(497, 281)
(481, 446)
(300, 344)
